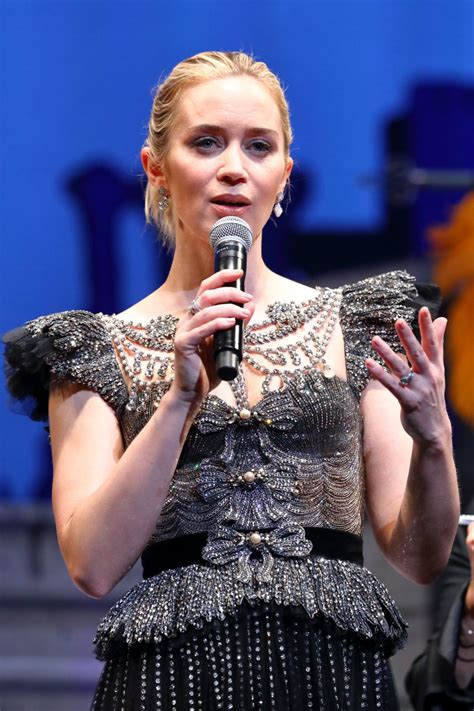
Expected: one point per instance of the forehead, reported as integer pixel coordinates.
(235, 100)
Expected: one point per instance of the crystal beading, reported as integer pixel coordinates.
(285, 319)
(142, 349)
(145, 349)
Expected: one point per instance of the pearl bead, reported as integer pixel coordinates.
(245, 414)
(255, 539)
(249, 477)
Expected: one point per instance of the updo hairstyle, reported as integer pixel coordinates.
(200, 68)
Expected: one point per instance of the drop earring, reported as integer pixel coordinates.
(164, 200)
(277, 208)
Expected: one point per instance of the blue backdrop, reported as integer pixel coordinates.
(76, 79)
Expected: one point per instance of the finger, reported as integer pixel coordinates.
(249, 306)
(223, 294)
(390, 381)
(429, 342)
(440, 325)
(219, 279)
(413, 348)
(199, 334)
(226, 310)
(392, 360)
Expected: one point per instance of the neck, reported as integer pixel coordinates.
(192, 264)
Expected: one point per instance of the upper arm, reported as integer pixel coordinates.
(387, 454)
(86, 444)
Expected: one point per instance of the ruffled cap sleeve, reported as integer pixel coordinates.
(69, 346)
(370, 308)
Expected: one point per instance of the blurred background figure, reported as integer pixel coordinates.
(442, 677)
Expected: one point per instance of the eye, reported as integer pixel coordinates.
(259, 146)
(205, 143)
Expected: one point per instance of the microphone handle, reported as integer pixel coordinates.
(228, 344)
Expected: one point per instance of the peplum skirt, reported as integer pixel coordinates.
(268, 656)
(281, 634)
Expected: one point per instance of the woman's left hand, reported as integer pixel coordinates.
(421, 394)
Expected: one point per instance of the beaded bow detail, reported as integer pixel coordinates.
(258, 496)
(254, 550)
(215, 414)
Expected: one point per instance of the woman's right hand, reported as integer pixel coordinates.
(194, 370)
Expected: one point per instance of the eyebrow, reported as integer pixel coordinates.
(255, 130)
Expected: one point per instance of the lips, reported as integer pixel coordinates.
(231, 201)
(228, 204)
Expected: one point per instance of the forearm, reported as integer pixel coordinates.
(109, 529)
(423, 533)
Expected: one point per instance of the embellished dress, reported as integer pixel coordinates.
(254, 593)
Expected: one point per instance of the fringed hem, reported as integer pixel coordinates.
(177, 599)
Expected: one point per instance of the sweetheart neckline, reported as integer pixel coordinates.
(278, 391)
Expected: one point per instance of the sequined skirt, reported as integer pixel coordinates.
(267, 656)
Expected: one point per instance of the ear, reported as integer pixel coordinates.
(287, 173)
(152, 169)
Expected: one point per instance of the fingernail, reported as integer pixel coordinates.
(246, 312)
(247, 296)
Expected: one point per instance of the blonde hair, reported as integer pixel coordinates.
(195, 70)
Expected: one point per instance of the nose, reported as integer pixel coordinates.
(232, 169)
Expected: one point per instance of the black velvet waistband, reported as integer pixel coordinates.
(186, 550)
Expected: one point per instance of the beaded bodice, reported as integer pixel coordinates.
(296, 457)
(253, 478)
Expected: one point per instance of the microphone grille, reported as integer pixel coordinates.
(231, 228)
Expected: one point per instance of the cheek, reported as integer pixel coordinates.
(192, 175)
(276, 171)
(182, 171)
(270, 182)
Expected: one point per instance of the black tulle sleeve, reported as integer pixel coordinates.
(70, 346)
(370, 308)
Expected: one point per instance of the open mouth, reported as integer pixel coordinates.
(231, 201)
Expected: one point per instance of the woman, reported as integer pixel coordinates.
(246, 498)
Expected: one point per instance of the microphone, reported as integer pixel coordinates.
(230, 238)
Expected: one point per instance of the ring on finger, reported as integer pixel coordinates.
(194, 307)
(407, 378)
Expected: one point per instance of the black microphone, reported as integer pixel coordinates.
(230, 238)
